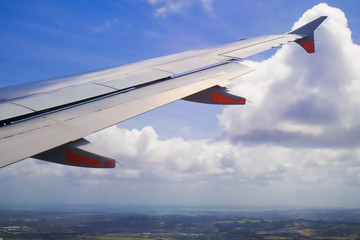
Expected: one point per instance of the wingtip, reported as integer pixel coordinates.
(322, 18)
(307, 33)
(309, 28)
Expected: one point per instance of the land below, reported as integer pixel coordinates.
(181, 224)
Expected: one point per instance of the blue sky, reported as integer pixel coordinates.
(259, 154)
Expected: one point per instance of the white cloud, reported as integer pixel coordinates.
(166, 7)
(302, 100)
(208, 5)
(106, 25)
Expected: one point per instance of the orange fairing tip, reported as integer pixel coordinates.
(242, 101)
(309, 46)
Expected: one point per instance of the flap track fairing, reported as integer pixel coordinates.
(79, 153)
(216, 95)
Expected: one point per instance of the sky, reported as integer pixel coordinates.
(296, 144)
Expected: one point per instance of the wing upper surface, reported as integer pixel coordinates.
(60, 127)
(19, 100)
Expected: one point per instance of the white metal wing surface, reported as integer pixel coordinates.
(48, 119)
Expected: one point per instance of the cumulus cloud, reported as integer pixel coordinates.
(302, 100)
(171, 159)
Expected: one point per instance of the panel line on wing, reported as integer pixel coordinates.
(161, 70)
(50, 110)
(100, 84)
(22, 106)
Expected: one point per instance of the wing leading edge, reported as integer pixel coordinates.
(48, 119)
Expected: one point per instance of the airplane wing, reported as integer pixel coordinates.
(48, 119)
